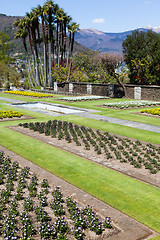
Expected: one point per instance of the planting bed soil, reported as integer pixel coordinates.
(137, 159)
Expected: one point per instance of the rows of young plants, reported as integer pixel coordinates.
(30, 94)
(111, 146)
(31, 209)
(152, 111)
(129, 104)
(82, 98)
(10, 114)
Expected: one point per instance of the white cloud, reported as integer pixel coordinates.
(98, 20)
(147, 2)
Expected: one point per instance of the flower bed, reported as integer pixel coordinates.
(152, 111)
(30, 94)
(30, 209)
(10, 114)
(128, 104)
(82, 98)
(134, 152)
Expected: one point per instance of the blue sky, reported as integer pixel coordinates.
(104, 15)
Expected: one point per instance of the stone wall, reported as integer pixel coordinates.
(62, 87)
(100, 90)
(143, 92)
(109, 90)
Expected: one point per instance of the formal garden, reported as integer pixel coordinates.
(78, 175)
(63, 145)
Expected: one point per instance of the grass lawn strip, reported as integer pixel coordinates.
(109, 147)
(138, 200)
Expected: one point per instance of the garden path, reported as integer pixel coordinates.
(138, 125)
(87, 114)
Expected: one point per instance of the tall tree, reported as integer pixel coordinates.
(33, 17)
(4, 47)
(40, 11)
(22, 33)
(50, 9)
(54, 23)
(139, 48)
(72, 28)
(67, 20)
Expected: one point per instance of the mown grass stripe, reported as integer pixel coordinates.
(137, 199)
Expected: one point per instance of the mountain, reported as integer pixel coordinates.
(6, 26)
(101, 41)
(84, 39)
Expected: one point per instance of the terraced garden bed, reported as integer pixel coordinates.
(30, 94)
(82, 98)
(132, 157)
(152, 111)
(32, 209)
(131, 104)
(10, 114)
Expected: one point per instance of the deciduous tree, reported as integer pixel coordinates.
(142, 56)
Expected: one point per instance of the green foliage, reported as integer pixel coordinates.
(8, 75)
(4, 47)
(142, 55)
(60, 73)
(91, 68)
(78, 76)
(85, 60)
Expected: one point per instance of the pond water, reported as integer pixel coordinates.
(48, 108)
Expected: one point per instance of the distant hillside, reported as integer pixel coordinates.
(85, 38)
(6, 26)
(101, 41)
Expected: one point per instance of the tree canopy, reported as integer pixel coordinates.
(142, 55)
(7, 74)
(4, 47)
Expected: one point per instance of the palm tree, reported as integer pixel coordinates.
(72, 28)
(40, 12)
(27, 24)
(59, 20)
(22, 33)
(36, 12)
(33, 21)
(49, 13)
(54, 24)
(67, 20)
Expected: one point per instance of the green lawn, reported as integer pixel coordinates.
(156, 238)
(135, 198)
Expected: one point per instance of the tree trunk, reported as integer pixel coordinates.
(28, 61)
(121, 84)
(50, 64)
(29, 71)
(45, 66)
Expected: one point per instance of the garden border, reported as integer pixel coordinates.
(45, 139)
(130, 229)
